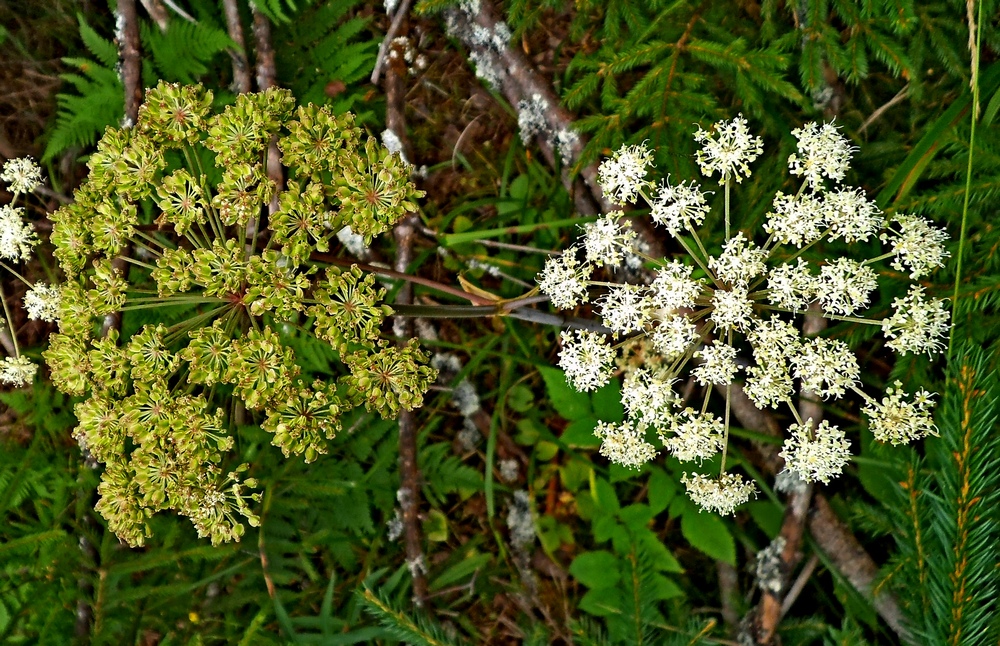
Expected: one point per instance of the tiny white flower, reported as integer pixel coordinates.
(797, 220)
(718, 364)
(22, 175)
(769, 385)
(773, 340)
(732, 309)
(625, 308)
(728, 149)
(918, 324)
(42, 302)
(740, 261)
(605, 240)
(624, 444)
(679, 207)
(17, 371)
(918, 246)
(673, 336)
(898, 421)
(17, 237)
(723, 494)
(648, 401)
(827, 367)
(791, 286)
(817, 453)
(673, 288)
(564, 280)
(823, 152)
(624, 175)
(844, 286)
(851, 215)
(586, 359)
(696, 436)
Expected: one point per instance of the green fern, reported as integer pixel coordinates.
(199, 42)
(409, 626)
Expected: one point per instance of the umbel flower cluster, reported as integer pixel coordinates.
(172, 229)
(729, 317)
(17, 241)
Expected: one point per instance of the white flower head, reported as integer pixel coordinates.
(898, 421)
(696, 436)
(796, 220)
(17, 371)
(606, 240)
(818, 453)
(844, 286)
(918, 324)
(729, 149)
(718, 364)
(823, 152)
(17, 237)
(723, 494)
(679, 207)
(673, 288)
(769, 385)
(625, 308)
(624, 444)
(827, 367)
(851, 215)
(673, 335)
(773, 340)
(624, 175)
(564, 280)
(732, 309)
(22, 175)
(42, 302)
(586, 358)
(648, 401)
(918, 246)
(791, 286)
(740, 261)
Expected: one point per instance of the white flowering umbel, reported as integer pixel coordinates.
(17, 241)
(725, 319)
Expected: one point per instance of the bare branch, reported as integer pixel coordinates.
(241, 65)
(127, 32)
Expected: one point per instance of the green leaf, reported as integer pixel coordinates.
(604, 495)
(708, 534)
(580, 433)
(568, 402)
(520, 398)
(436, 526)
(597, 570)
(662, 490)
(607, 402)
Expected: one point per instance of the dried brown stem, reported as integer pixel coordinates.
(267, 77)
(128, 54)
(242, 82)
(519, 81)
(158, 12)
(769, 609)
(409, 472)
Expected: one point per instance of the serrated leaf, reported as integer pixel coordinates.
(708, 534)
(568, 402)
(607, 402)
(580, 433)
(597, 570)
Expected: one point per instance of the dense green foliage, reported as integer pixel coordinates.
(529, 534)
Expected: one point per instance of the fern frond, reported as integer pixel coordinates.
(410, 627)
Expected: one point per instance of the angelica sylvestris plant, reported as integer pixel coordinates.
(17, 241)
(182, 198)
(708, 315)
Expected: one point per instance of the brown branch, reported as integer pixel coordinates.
(770, 607)
(157, 12)
(267, 77)
(409, 471)
(128, 55)
(241, 65)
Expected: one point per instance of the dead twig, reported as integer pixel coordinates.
(409, 472)
(241, 65)
(128, 54)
